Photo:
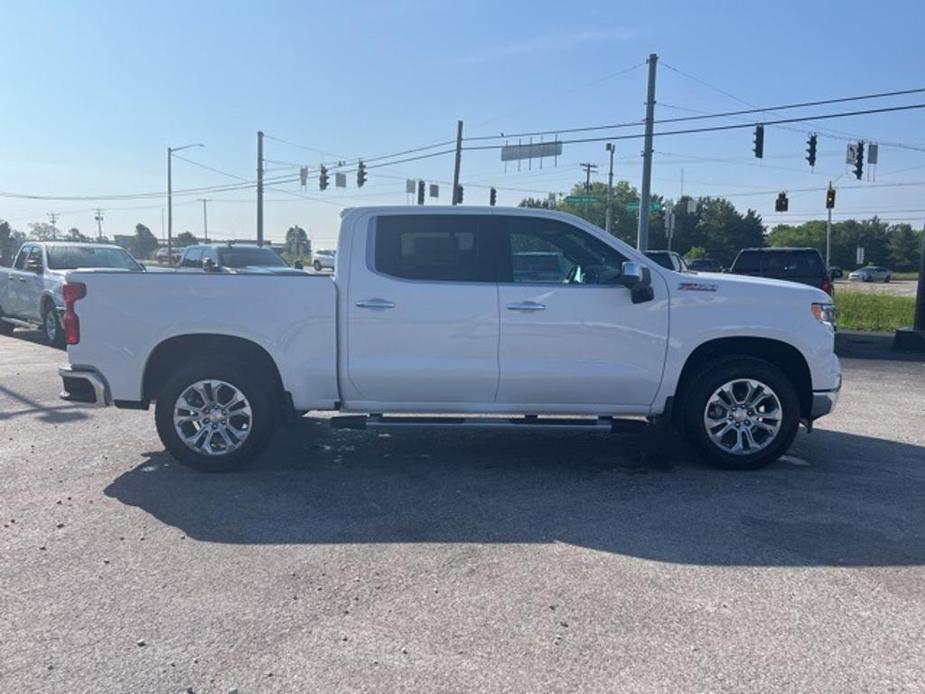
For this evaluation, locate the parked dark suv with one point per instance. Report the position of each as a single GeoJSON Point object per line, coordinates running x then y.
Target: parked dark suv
{"type": "Point", "coordinates": [802, 265]}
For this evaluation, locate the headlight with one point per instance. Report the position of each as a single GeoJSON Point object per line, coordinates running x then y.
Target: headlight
{"type": "Point", "coordinates": [825, 314]}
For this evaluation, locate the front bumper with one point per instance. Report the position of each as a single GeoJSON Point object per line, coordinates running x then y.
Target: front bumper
{"type": "Point", "coordinates": [824, 402]}
{"type": "Point", "coordinates": [84, 385]}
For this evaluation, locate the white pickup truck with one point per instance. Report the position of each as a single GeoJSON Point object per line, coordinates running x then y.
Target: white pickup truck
{"type": "Point", "coordinates": [435, 315]}
{"type": "Point", "coordinates": [30, 291]}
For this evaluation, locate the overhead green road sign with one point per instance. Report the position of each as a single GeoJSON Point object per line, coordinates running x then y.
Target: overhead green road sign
{"type": "Point", "coordinates": [581, 199]}
{"type": "Point", "coordinates": [653, 206]}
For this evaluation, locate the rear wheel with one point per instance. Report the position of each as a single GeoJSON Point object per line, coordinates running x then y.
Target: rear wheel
{"type": "Point", "coordinates": [317, 266]}
{"type": "Point", "coordinates": [51, 326]}
{"type": "Point", "coordinates": [215, 415]}
{"type": "Point", "coordinates": [741, 413]}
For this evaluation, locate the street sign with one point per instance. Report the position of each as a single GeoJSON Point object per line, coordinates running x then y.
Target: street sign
{"type": "Point", "coordinates": [653, 206]}
{"type": "Point", "coordinates": [851, 154]}
{"type": "Point", "coordinates": [860, 255]}
{"type": "Point", "coordinates": [410, 186]}
{"type": "Point", "coordinates": [873, 152]}
{"type": "Point", "coordinates": [535, 150]}
{"type": "Point", "coordinates": [340, 180]}
{"type": "Point", "coordinates": [434, 190]}
{"type": "Point", "coordinates": [581, 199]}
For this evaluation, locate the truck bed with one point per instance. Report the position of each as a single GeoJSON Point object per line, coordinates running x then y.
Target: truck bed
{"type": "Point", "coordinates": [292, 317]}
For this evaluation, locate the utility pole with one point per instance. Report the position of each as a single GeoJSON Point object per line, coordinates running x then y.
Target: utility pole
{"type": "Point", "coordinates": [205, 222]}
{"type": "Point", "coordinates": [99, 224]}
{"type": "Point", "coordinates": [169, 209]}
{"type": "Point", "coordinates": [53, 218]}
{"type": "Point", "coordinates": [459, 127]}
{"type": "Point", "coordinates": [609, 223]}
{"type": "Point", "coordinates": [259, 188]}
{"type": "Point", "coordinates": [588, 168]}
{"type": "Point", "coordinates": [642, 239]}
{"type": "Point", "coordinates": [170, 151]}
{"type": "Point", "coordinates": [829, 204]}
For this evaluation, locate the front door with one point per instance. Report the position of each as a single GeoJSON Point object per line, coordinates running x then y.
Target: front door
{"type": "Point", "coordinates": [422, 314]}
{"type": "Point", "coordinates": [571, 338]}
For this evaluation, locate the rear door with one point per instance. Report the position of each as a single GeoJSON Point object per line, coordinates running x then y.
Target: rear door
{"type": "Point", "coordinates": [32, 288]}
{"type": "Point", "coordinates": [422, 313]}
{"type": "Point", "coordinates": [575, 342]}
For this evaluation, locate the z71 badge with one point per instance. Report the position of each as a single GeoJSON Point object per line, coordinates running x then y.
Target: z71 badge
{"type": "Point", "coordinates": [697, 287]}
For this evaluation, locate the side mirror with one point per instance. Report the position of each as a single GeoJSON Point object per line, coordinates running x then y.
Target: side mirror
{"type": "Point", "coordinates": [298, 265]}
{"type": "Point", "coordinates": [208, 265]}
{"type": "Point", "coordinates": [33, 265]}
{"type": "Point", "coordinates": [638, 279]}
{"type": "Point", "coordinates": [836, 273]}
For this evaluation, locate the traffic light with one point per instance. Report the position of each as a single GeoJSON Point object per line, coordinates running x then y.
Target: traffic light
{"type": "Point", "coordinates": [420, 192]}
{"type": "Point", "coordinates": [323, 178]}
{"type": "Point", "coordinates": [811, 150]}
{"type": "Point", "coordinates": [859, 161]}
{"type": "Point", "coordinates": [459, 194]}
{"type": "Point", "coordinates": [781, 204]}
{"type": "Point", "coordinates": [830, 198]}
{"type": "Point", "coordinates": [759, 141]}
{"type": "Point", "coordinates": [361, 174]}
{"type": "Point", "coordinates": [492, 196]}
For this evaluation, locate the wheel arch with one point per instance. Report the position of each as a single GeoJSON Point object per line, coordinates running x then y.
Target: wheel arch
{"type": "Point", "coordinates": [784, 356]}
{"type": "Point", "coordinates": [183, 348]}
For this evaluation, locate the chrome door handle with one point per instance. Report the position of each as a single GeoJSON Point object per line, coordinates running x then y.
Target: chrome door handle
{"type": "Point", "coordinates": [375, 304]}
{"type": "Point", "coordinates": [21, 279]}
{"type": "Point", "coordinates": [526, 306]}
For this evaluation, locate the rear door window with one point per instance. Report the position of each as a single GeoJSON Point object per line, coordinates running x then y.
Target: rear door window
{"type": "Point", "coordinates": [434, 248]}
{"type": "Point", "coordinates": [192, 258]}
{"type": "Point", "coordinates": [806, 264]}
{"type": "Point", "coordinates": [748, 262]}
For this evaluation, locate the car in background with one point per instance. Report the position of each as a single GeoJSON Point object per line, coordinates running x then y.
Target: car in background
{"type": "Point", "coordinates": [705, 265]}
{"type": "Point", "coordinates": [538, 266]}
{"type": "Point", "coordinates": [31, 293]}
{"type": "Point", "coordinates": [161, 255]}
{"type": "Point", "coordinates": [668, 259]}
{"type": "Point", "coordinates": [871, 273]}
{"type": "Point", "coordinates": [233, 258]}
{"type": "Point", "coordinates": [323, 260]}
{"type": "Point", "coordinates": [800, 265]}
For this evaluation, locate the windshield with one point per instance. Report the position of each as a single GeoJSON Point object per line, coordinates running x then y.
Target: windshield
{"type": "Point", "coordinates": [249, 257]}
{"type": "Point", "coordinates": [73, 257]}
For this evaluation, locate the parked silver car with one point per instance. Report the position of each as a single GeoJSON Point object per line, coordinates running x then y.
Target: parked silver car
{"type": "Point", "coordinates": [871, 273]}
{"type": "Point", "coordinates": [323, 260]}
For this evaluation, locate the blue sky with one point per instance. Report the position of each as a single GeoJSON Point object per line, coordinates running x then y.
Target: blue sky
{"type": "Point", "coordinates": [94, 92]}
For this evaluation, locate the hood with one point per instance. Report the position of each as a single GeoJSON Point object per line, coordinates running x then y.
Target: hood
{"type": "Point", "coordinates": [715, 282]}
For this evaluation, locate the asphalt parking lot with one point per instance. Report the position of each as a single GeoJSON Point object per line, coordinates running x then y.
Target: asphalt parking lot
{"type": "Point", "coordinates": [460, 561]}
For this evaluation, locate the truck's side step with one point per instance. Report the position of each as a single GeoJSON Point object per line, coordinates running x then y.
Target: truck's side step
{"type": "Point", "coordinates": [20, 323]}
{"type": "Point", "coordinates": [377, 421]}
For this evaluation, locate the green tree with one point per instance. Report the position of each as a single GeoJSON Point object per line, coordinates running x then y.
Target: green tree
{"type": "Point", "coordinates": [625, 221]}
{"type": "Point", "coordinates": [73, 234]}
{"type": "Point", "coordinates": [297, 241]}
{"type": "Point", "coordinates": [904, 247]}
{"type": "Point", "coordinates": [42, 231]}
{"type": "Point", "coordinates": [695, 253]}
{"type": "Point", "coordinates": [145, 242]}
{"type": "Point", "coordinates": [723, 231]}
{"type": "Point", "coordinates": [185, 238]}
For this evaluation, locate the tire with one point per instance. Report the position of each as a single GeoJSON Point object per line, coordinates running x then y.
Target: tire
{"type": "Point", "coordinates": [887, 279]}
{"type": "Point", "coordinates": [748, 425]}
{"type": "Point", "coordinates": [868, 278]}
{"type": "Point", "coordinates": [5, 328]}
{"type": "Point", "coordinates": [243, 435]}
{"type": "Point", "coordinates": [51, 326]}
{"type": "Point", "coordinates": [317, 266]}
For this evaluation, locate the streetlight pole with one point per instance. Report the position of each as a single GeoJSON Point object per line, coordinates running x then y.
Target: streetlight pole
{"type": "Point", "coordinates": [170, 151]}
{"type": "Point", "coordinates": [609, 223]}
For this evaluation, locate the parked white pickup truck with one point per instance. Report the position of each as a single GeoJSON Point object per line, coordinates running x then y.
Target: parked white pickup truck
{"type": "Point", "coordinates": [30, 291]}
{"type": "Point", "coordinates": [427, 314]}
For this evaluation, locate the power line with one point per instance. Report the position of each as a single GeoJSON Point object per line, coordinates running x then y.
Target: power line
{"type": "Point", "coordinates": [735, 126]}
{"type": "Point", "coordinates": [703, 116]}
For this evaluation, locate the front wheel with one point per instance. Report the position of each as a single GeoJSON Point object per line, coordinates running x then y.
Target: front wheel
{"type": "Point", "coordinates": [54, 334]}
{"type": "Point", "coordinates": [741, 413]}
{"type": "Point", "coordinates": [317, 266]}
{"type": "Point", "coordinates": [215, 415]}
